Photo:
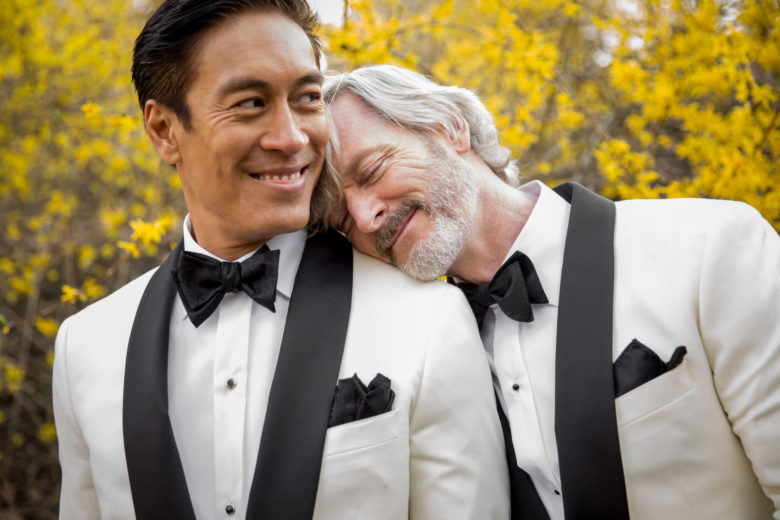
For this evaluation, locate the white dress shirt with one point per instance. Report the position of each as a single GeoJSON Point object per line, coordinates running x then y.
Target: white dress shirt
{"type": "Point", "coordinates": [522, 355]}
{"type": "Point", "coordinates": [219, 379]}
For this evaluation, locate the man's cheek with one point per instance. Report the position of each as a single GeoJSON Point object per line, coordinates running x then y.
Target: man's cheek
{"type": "Point", "coordinates": [366, 244]}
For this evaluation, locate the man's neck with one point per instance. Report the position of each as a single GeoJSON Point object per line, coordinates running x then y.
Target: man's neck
{"type": "Point", "coordinates": [502, 212]}
{"type": "Point", "coordinates": [215, 244]}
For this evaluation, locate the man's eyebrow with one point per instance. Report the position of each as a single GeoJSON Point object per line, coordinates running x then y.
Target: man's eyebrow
{"type": "Point", "coordinates": [248, 83]}
{"type": "Point", "coordinates": [313, 77]}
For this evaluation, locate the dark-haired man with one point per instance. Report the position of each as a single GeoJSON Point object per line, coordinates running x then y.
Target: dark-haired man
{"type": "Point", "coordinates": [258, 374]}
{"type": "Point", "coordinates": [635, 346]}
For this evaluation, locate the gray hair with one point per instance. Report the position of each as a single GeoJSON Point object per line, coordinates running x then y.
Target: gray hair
{"type": "Point", "coordinates": [416, 103]}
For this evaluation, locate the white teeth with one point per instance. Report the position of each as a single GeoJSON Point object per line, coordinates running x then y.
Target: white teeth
{"type": "Point", "coordinates": [289, 177]}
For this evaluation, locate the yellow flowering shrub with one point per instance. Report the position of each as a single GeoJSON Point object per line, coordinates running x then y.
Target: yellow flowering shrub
{"type": "Point", "coordinates": [86, 206]}
{"type": "Point", "coordinates": [662, 98]}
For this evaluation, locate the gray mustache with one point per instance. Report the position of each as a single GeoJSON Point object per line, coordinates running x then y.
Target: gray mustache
{"type": "Point", "coordinates": [385, 235]}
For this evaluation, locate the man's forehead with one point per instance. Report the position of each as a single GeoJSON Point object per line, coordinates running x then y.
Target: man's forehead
{"type": "Point", "coordinates": [256, 34]}
{"type": "Point", "coordinates": [240, 83]}
{"type": "Point", "coordinates": [259, 50]}
{"type": "Point", "coordinates": [359, 126]}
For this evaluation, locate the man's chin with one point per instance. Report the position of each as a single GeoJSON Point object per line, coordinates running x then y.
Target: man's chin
{"type": "Point", "coordinates": [294, 219]}
{"type": "Point", "coordinates": [420, 277]}
{"type": "Point", "coordinates": [432, 257]}
{"type": "Point", "coordinates": [410, 268]}
{"type": "Point", "coordinates": [425, 269]}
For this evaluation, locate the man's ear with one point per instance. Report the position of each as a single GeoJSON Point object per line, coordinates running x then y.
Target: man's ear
{"type": "Point", "coordinates": [461, 141]}
{"type": "Point", "coordinates": [159, 121]}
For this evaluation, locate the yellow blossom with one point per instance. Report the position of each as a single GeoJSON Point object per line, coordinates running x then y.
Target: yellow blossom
{"type": "Point", "coordinates": [86, 256]}
{"type": "Point", "coordinates": [14, 376]}
{"type": "Point", "coordinates": [92, 289]}
{"type": "Point", "coordinates": [129, 247]}
{"type": "Point", "coordinates": [150, 232]}
{"type": "Point", "coordinates": [21, 285]}
{"type": "Point", "coordinates": [47, 326]}
{"type": "Point", "coordinates": [107, 250]}
{"type": "Point", "coordinates": [13, 230]}
{"type": "Point", "coordinates": [71, 294]}
{"type": "Point", "coordinates": [90, 110]}
{"type": "Point", "coordinates": [6, 265]}
{"type": "Point", "coordinates": [47, 433]}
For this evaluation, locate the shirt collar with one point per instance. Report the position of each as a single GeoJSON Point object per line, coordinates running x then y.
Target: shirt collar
{"type": "Point", "coordinates": [290, 246]}
{"type": "Point", "coordinates": [543, 237]}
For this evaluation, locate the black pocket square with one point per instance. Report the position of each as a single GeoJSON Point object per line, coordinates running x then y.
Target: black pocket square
{"type": "Point", "coordinates": [354, 401]}
{"type": "Point", "coordinates": [638, 364]}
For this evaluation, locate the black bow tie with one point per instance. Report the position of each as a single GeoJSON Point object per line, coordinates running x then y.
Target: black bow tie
{"type": "Point", "coordinates": [514, 287]}
{"type": "Point", "coordinates": [202, 281]}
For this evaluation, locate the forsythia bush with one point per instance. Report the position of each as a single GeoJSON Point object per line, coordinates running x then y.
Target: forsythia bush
{"type": "Point", "coordinates": [653, 99]}
{"type": "Point", "coordinates": [82, 195]}
{"type": "Point", "coordinates": [650, 98]}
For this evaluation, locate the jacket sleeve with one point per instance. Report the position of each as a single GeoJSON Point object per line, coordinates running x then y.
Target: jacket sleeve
{"type": "Point", "coordinates": [457, 457]}
{"type": "Point", "coordinates": [78, 499]}
{"type": "Point", "coordinates": [740, 326]}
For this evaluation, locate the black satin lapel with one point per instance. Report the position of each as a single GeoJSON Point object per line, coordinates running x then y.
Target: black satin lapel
{"type": "Point", "coordinates": [585, 421]}
{"type": "Point", "coordinates": [288, 463]}
{"type": "Point", "coordinates": [525, 501]}
{"type": "Point", "coordinates": [156, 475]}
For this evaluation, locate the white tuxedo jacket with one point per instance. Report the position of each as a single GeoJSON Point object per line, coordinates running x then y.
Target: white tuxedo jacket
{"type": "Point", "coordinates": [437, 454]}
{"type": "Point", "coordinates": [701, 441]}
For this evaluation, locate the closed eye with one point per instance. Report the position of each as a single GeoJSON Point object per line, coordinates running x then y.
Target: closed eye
{"type": "Point", "coordinates": [371, 171]}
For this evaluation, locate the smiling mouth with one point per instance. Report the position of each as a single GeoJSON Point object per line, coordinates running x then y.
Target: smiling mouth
{"type": "Point", "coordinates": [401, 228]}
{"type": "Point", "coordinates": [395, 225]}
{"type": "Point", "coordinates": [279, 176]}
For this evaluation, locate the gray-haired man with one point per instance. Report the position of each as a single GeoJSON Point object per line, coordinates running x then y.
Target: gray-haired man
{"type": "Point", "coordinates": [635, 346]}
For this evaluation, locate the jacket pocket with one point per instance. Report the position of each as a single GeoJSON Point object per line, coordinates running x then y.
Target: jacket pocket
{"type": "Point", "coordinates": [654, 394]}
{"type": "Point", "coordinates": [365, 470]}
{"type": "Point", "coordinates": [361, 434]}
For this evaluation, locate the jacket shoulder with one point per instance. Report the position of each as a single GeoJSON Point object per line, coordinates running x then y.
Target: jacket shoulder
{"type": "Point", "coordinates": [683, 223]}
{"type": "Point", "coordinates": [116, 309]}
{"type": "Point", "coordinates": [687, 213]}
{"type": "Point", "coordinates": [383, 280]}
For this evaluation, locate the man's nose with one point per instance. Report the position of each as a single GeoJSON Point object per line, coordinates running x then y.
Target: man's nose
{"type": "Point", "coordinates": [284, 132]}
{"type": "Point", "coordinates": [367, 211]}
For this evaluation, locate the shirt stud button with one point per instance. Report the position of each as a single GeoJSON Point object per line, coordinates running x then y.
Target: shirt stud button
{"type": "Point", "coordinates": [515, 387]}
{"type": "Point", "coordinates": [229, 509]}
{"type": "Point", "coordinates": [230, 384]}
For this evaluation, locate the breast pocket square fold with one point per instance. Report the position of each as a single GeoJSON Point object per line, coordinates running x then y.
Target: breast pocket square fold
{"type": "Point", "coordinates": [638, 364]}
{"type": "Point", "coordinates": [354, 400]}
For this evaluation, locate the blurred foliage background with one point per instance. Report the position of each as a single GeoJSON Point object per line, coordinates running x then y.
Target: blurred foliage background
{"type": "Point", "coordinates": [634, 98]}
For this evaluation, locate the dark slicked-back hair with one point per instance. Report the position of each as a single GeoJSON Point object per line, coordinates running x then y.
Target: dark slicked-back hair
{"type": "Point", "coordinates": [163, 67]}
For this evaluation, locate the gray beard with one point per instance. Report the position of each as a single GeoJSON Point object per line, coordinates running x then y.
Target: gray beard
{"type": "Point", "coordinates": [452, 200]}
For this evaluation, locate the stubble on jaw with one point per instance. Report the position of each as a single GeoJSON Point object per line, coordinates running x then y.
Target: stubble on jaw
{"type": "Point", "coordinates": [384, 236]}
{"type": "Point", "coordinates": [451, 204]}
